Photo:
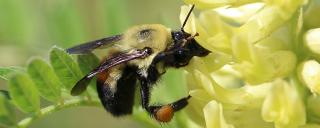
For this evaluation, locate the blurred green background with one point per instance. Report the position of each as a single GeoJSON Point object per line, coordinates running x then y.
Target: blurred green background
{"type": "Point", "coordinates": [30, 27]}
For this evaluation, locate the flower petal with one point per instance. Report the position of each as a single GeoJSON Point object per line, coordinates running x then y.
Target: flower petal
{"type": "Point", "coordinates": [312, 41]}
{"type": "Point", "coordinates": [207, 4]}
{"type": "Point", "coordinates": [195, 108]}
{"type": "Point", "coordinates": [310, 75]}
{"type": "Point", "coordinates": [240, 15]}
{"type": "Point", "coordinates": [213, 114]}
{"type": "Point", "coordinates": [283, 106]}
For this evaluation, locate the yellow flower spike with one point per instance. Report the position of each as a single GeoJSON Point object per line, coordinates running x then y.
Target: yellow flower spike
{"type": "Point", "coordinates": [208, 84]}
{"type": "Point", "coordinates": [211, 36]}
{"type": "Point", "coordinates": [208, 4]}
{"type": "Point", "coordinates": [278, 64]}
{"type": "Point", "coordinates": [283, 106]}
{"type": "Point", "coordinates": [265, 65]}
{"type": "Point", "coordinates": [240, 15]}
{"type": "Point", "coordinates": [312, 41]}
{"type": "Point", "coordinates": [215, 60]}
{"type": "Point", "coordinates": [192, 84]}
{"type": "Point", "coordinates": [242, 51]}
{"type": "Point", "coordinates": [309, 72]}
{"type": "Point", "coordinates": [213, 114]}
{"type": "Point", "coordinates": [286, 6]}
{"type": "Point", "coordinates": [279, 40]}
{"type": "Point", "coordinates": [244, 117]}
{"type": "Point", "coordinates": [256, 40]}
{"type": "Point", "coordinates": [205, 81]}
{"type": "Point", "coordinates": [195, 109]}
{"type": "Point", "coordinates": [199, 99]}
{"type": "Point", "coordinates": [249, 97]}
{"type": "Point", "coordinates": [219, 42]}
{"type": "Point", "coordinates": [227, 77]}
{"type": "Point", "coordinates": [267, 59]}
{"type": "Point", "coordinates": [213, 23]}
{"type": "Point", "coordinates": [251, 73]}
{"type": "Point", "coordinates": [282, 62]}
{"type": "Point", "coordinates": [218, 33]}
{"type": "Point", "coordinates": [258, 27]}
{"type": "Point", "coordinates": [210, 63]}
{"type": "Point", "coordinates": [266, 21]}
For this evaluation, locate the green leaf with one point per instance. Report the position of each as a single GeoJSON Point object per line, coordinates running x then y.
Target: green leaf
{"type": "Point", "coordinates": [5, 93]}
{"type": "Point", "coordinates": [24, 93]}
{"type": "Point", "coordinates": [65, 67]}
{"type": "Point", "coordinates": [87, 62]}
{"type": "Point", "coordinates": [7, 116]}
{"type": "Point", "coordinates": [45, 79]}
{"type": "Point", "coordinates": [5, 72]}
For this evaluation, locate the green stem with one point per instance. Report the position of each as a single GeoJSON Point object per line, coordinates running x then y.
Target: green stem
{"type": "Point", "coordinates": [52, 108]}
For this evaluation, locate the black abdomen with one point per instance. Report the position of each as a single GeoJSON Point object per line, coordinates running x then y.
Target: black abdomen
{"type": "Point", "coordinates": [120, 101]}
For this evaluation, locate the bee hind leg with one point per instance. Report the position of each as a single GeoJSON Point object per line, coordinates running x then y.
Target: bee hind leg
{"type": "Point", "coordinates": [162, 113]}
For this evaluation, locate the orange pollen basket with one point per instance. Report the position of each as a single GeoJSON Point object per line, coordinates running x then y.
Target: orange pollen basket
{"type": "Point", "coordinates": [165, 113]}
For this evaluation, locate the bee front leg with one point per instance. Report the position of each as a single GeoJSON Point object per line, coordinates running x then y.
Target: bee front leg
{"type": "Point", "coordinates": [162, 113]}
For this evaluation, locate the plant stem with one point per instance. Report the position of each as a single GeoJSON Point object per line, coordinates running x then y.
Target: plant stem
{"type": "Point", "coordinates": [52, 108]}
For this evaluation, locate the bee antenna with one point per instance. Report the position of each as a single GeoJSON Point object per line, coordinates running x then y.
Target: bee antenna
{"type": "Point", "coordinates": [185, 21]}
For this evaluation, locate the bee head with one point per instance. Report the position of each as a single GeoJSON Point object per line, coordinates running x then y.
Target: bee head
{"type": "Point", "coordinates": [184, 40]}
{"type": "Point", "coordinates": [183, 49]}
{"type": "Point", "coordinates": [179, 37]}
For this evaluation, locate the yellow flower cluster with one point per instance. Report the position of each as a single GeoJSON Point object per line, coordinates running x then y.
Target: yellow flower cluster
{"type": "Point", "coordinates": [264, 69]}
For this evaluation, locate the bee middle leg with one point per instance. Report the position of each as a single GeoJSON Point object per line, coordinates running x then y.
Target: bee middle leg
{"type": "Point", "coordinates": [162, 113]}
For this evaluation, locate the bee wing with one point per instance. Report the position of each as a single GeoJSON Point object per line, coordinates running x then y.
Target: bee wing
{"type": "Point", "coordinates": [89, 46]}
{"type": "Point", "coordinates": [82, 84]}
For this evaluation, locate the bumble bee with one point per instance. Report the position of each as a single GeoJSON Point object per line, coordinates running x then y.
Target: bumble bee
{"type": "Point", "coordinates": [141, 54]}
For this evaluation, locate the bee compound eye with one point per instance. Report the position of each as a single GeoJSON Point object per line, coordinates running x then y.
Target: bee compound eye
{"type": "Point", "coordinates": [148, 50]}
{"type": "Point", "coordinates": [178, 36]}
